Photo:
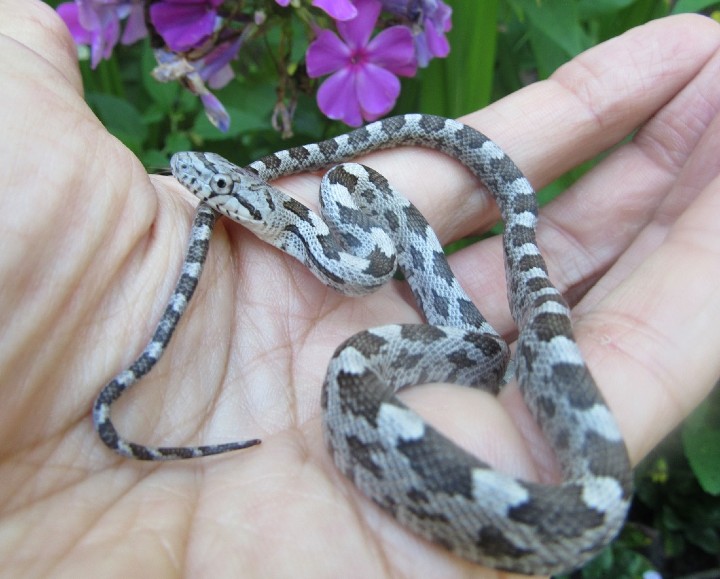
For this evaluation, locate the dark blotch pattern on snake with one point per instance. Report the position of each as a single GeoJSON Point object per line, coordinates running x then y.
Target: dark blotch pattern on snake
{"type": "Point", "coordinates": [408, 468]}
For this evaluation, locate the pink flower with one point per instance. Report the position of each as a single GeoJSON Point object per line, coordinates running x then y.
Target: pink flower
{"type": "Point", "coordinates": [363, 82]}
{"type": "Point", "coordinates": [337, 9]}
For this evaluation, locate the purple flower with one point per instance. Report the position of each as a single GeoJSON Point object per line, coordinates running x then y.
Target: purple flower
{"type": "Point", "coordinates": [184, 24]}
{"type": "Point", "coordinates": [431, 19]}
{"type": "Point", "coordinates": [214, 68]}
{"type": "Point", "coordinates": [173, 66]}
{"type": "Point", "coordinates": [96, 23]}
{"type": "Point", "coordinates": [337, 9]}
{"type": "Point", "coordinates": [436, 22]}
{"type": "Point", "coordinates": [215, 111]}
{"type": "Point", "coordinates": [363, 82]}
{"type": "Point", "coordinates": [135, 28]}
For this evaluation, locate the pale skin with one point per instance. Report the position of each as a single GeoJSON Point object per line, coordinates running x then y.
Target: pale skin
{"type": "Point", "coordinates": [91, 246]}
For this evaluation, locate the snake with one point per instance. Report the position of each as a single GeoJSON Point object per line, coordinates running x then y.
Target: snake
{"type": "Point", "coordinates": [365, 232]}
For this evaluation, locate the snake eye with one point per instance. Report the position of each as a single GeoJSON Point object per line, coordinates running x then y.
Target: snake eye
{"type": "Point", "coordinates": [221, 184]}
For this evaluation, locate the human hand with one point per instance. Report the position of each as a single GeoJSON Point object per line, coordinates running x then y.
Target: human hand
{"type": "Point", "coordinates": [92, 247]}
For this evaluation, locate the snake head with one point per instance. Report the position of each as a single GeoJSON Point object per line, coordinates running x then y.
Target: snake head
{"type": "Point", "coordinates": [230, 190]}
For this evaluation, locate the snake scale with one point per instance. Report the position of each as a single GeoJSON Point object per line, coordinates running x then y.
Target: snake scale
{"type": "Point", "coordinates": [408, 468]}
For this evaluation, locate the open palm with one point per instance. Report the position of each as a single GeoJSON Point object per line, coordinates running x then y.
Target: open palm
{"type": "Point", "coordinates": [91, 248]}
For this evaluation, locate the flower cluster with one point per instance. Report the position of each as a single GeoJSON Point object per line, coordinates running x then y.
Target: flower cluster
{"type": "Point", "coordinates": [195, 41]}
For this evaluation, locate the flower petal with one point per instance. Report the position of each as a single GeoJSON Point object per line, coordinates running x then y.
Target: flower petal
{"type": "Point", "coordinates": [437, 43]}
{"type": "Point", "coordinates": [443, 17]}
{"type": "Point", "coordinates": [326, 54]}
{"type": "Point", "coordinates": [214, 67]}
{"type": "Point", "coordinates": [91, 16]}
{"type": "Point", "coordinates": [422, 53]}
{"type": "Point", "coordinates": [377, 91]}
{"type": "Point", "coordinates": [135, 26]}
{"type": "Point", "coordinates": [215, 111]}
{"type": "Point", "coordinates": [356, 32]}
{"type": "Point", "coordinates": [103, 42]}
{"type": "Point", "coordinates": [68, 11]}
{"type": "Point", "coordinates": [96, 25]}
{"type": "Point", "coordinates": [213, 3]}
{"type": "Point", "coordinates": [394, 50]}
{"type": "Point", "coordinates": [337, 9]}
{"type": "Point", "coordinates": [182, 26]}
{"type": "Point", "coordinates": [338, 100]}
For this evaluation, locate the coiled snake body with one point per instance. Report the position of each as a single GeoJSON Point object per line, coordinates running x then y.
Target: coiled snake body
{"type": "Point", "coordinates": [407, 467]}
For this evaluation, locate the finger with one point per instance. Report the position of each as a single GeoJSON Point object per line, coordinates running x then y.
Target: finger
{"type": "Point", "coordinates": [75, 209]}
{"type": "Point", "coordinates": [37, 26]}
{"type": "Point", "coordinates": [585, 230]}
{"type": "Point", "coordinates": [648, 329]}
{"type": "Point", "coordinates": [676, 153]}
{"type": "Point", "coordinates": [653, 342]}
{"type": "Point", "coordinates": [596, 100]}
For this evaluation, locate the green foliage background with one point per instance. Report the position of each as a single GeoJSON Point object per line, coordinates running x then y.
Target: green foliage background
{"type": "Point", "coordinates": [498, 46]}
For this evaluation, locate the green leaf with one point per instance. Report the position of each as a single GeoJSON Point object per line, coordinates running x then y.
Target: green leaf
{"type": "Point", "coordinates": [593, 8]}
{"type": "Point", "coordinates": [618, 560]}
{"type": "Point", "coordinates": [673, 544]}
{"type": "Point", "coordinates": [241, 122]}
{"type": "Point", "coordinates": [701, 441]}
{"type": "Point", "coordinates": [705, 538]}
{"type": "Point", "coordinates": [120, 117]}
{"type": "Point", "coordinates": [462, 82]}
{"type": "Point", "coordinates": [163, 93]}
{"type": "Point", "coordinates": [250, 107]}
{"type": "Point", "coordinates": [154, 160]}
{"type": "Point", "coordinates": [671, 520]}
{"type": "Point", "coordinates": [692, 5]}
{"type": "Point", "coordinates": [177, 142]}
{"type": "Point", "coordinates": [557, 22]}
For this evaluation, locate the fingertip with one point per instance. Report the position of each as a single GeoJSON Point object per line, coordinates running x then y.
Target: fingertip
{"type": "Point", "coordinates": [36, 26]}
